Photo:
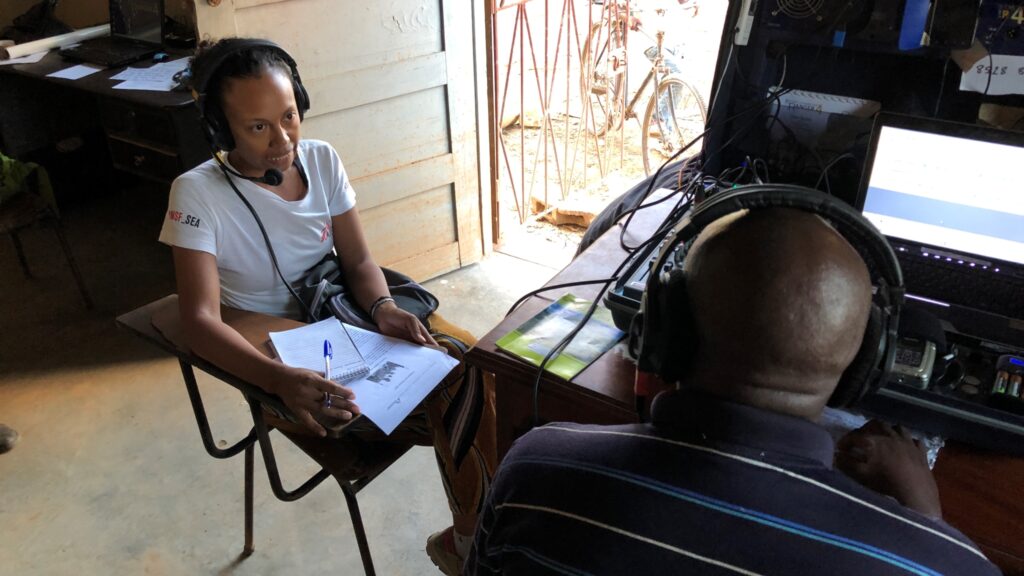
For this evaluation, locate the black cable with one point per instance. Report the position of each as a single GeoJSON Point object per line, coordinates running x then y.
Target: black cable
{"type": "Point", "coordinates": [756, 107]}
{"type": "Point", "coordinates": [266, 239]}
{"type": "Point", "coordinates": [533, 293]}
{"type": "Point", "coordinates": [567, 339]}
{"type": "Point", "coordinates": [988, 82]}
{"type": "Point", "coordinates": [991, 62]}
{"type": "Point", "coordinates": [650, 187]}
{"type": "Point", "coordinates": [833, 162]}
{"type": "Point", "coordinates": [629, 213]}
{"type": "Point", "coordinates": [666, 225]}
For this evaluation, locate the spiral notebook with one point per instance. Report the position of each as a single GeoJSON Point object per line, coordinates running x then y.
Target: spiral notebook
{"type": "Point", "coordinates": [303, 347]}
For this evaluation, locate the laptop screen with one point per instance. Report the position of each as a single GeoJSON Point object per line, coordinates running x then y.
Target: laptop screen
{"type": "Point", "coordinates": [137, 19]}
{"type": "Point", "coordinates": [948, 185]}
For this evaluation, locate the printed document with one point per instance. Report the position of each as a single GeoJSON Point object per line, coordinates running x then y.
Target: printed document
{"type": "Point", "coordinates": [401, 375]}
{"type": "Point", "coordinates": [303, 347]}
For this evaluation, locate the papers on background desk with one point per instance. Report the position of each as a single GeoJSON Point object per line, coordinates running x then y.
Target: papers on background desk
{"type": "Point", "coordinates": [75, 72]}
{"type": "Point", "coordinates": [158, 77]}
{"type": "Point", "coordinates": [30, 59]}
{"type": "Point", "coordinates": [401, 375]}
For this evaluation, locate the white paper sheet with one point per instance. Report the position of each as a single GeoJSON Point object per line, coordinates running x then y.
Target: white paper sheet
{"type": "Point", "coordinates": [1007, 75]}
{"type": "Point", "coordinates": [158, 77]}
{"type": "Point", "coordinates": [30, 59]}
{"type": "Point", "coordinates": [75, 72]}
{"type": "Point", "coordinates": [304, 347]}
{"type": "Point", "coordinates": [162, 72]}
{"type": "Point", "coordinates": [401, 375]}
{"type": "Point", "coordinates": [165, 86]}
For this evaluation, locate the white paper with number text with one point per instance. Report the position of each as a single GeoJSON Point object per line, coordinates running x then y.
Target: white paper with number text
{"type": "Point", "coordinates": [1003, 75]}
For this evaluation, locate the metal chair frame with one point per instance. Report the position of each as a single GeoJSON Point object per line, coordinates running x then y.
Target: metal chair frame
{"type": "Point", "coordinates": [257, 398]}
{"type": "Point", "coordinates": [45, 215]}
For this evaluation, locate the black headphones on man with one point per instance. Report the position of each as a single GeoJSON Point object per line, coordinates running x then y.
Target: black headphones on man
{"type": "Point", "coordinates": [663, 336]}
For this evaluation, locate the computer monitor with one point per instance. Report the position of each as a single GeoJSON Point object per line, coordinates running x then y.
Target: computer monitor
{"type": "Point", "coordinates": [137, 19]}
{"type": "Point", "coordinates": [948, 185]}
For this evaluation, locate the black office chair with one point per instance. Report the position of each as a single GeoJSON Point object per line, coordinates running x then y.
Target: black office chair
{"type": "Point", "coordinates": [23, 204]}
{"type": "Point", "coordinates": [352, 462]}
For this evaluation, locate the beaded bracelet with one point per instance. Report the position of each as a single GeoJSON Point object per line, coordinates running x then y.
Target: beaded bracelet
{"type": "Point", "coordinates": [377, 304]}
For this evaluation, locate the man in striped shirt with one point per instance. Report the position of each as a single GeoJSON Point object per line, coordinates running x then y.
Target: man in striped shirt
{"type": "Point", "coordinates": [733, 475]}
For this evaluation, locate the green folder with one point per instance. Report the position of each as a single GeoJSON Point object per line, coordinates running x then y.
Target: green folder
{"type": "Point", "coordinates": [537, 336]}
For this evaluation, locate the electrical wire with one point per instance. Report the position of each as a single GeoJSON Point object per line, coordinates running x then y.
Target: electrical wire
{"type": "Point", "coordinates": [694, 187]}
{"type": "Point", "coordinates": [991, 62]}
{"type": "Point", "coordinates": [665, 226]}
{"type": "Point", "coordinates": [755, 107]}
{"type": "Point", "coordinates": [533, 293]}
{"type": "Point", "coordinates": [266, 239]}
{"type": "Point", "coordinates": [824, 171]}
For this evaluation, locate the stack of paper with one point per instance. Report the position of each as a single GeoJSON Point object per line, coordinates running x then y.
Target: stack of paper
{"type": "Point", "coordinates": [304, 348]}
{"type": "Point", "coordinates": [158, 77]}
{"type": "Point", "coordinates": [395, 375]}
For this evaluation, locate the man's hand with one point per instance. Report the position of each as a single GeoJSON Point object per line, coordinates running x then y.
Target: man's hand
{"type": "Point", "coordinates": [889, 461]}
{"type": "Point", "coordinates": [393, 321]}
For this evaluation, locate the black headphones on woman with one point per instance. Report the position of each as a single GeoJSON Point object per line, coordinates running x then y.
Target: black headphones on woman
{"type": "Point", "coordinates": [663, 335]}
{"type": "Point", "coordinates": [215, 124]}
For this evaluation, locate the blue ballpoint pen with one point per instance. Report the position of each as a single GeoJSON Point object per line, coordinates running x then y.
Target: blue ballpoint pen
{"type": "Point", "coordinates": [328, 354]}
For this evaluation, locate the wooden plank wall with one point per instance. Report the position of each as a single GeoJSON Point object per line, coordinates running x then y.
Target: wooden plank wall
{"type": "Point", "coordinates": [393, 87]}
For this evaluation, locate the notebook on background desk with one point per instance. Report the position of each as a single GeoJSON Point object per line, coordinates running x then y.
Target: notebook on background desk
{"type": "Point", "coordinates": [948, 198]}
{"type": "Point", "coordinates": [136, 32]}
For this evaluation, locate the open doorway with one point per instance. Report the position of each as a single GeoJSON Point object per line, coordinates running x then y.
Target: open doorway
{"type": "Point", "coordinates": [588, 97]}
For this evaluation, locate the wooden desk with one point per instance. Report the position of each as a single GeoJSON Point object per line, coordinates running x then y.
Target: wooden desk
{"type": "Point", "coordinates": [982, 493]}
{"type": "Point", "coordinates": [152, 134]}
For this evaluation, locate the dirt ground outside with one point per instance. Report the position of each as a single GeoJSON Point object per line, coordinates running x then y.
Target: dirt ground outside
{"type": "Point", "coordinates": [578, 174]}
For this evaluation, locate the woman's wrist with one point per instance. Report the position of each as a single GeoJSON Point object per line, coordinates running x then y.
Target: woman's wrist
{"type": "Point", "coordinates": [278, 373]}
{"type": "Point", "coordinates": [381, 303]}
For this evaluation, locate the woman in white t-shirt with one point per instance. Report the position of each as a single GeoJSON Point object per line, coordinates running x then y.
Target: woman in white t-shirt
{"type": "Point", "coordinates": [252, 102]}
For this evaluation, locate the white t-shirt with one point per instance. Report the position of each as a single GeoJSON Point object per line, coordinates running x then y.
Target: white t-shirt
{"type": "Point", "coordinates": [205, 214]}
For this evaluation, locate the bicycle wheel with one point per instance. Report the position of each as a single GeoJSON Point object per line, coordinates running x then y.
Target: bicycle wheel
{"type": "Point", "coordinates": [602, 76]}
{"type": "Point", "coordinates": [676, 114]}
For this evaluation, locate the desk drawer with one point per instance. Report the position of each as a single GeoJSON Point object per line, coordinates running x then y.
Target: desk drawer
{"type": "Point", "coordinates": [131, 122]}
{"type": "Point", "coordinates": [144, 161]}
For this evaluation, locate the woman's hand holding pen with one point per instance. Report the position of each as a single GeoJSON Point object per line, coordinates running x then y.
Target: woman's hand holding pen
{"type": "Point", "coordinates": [393, 321]}
{"type": "Point", "coordinates": [305, 393]}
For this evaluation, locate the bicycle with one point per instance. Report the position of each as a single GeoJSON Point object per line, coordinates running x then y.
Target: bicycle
{"type": "Point", "coordinates": [675, 113]}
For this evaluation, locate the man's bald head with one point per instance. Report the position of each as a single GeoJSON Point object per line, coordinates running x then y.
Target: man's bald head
{"type": "Point", "coordinates": [780, 301]}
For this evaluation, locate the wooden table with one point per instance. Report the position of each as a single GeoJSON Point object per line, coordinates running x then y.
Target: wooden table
{"type": "Point", "coordinates": [982, 493]}
{"type": "Point", "coordinates": [155, 135]}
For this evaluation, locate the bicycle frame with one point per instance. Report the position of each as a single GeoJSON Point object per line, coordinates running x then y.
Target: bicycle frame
{"type": "Point", "coordinates": [656, 67]}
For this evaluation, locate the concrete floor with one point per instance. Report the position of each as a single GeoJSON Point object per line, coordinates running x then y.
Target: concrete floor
{"type": "Point", "coordinates": [110, 477]}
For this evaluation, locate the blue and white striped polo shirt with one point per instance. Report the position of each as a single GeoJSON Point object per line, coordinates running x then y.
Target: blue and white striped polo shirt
{"type": "Point", "coordinates": [711, 487]}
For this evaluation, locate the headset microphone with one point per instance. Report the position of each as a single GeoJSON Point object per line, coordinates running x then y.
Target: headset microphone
{"type": "Point", "coordinates": [273, 176]}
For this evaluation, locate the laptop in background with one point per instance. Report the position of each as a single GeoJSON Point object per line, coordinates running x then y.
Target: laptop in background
{"type": "Point", "coordinates": [136, 32]}
{"type": "Point", "coordinates": [949, 198]}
